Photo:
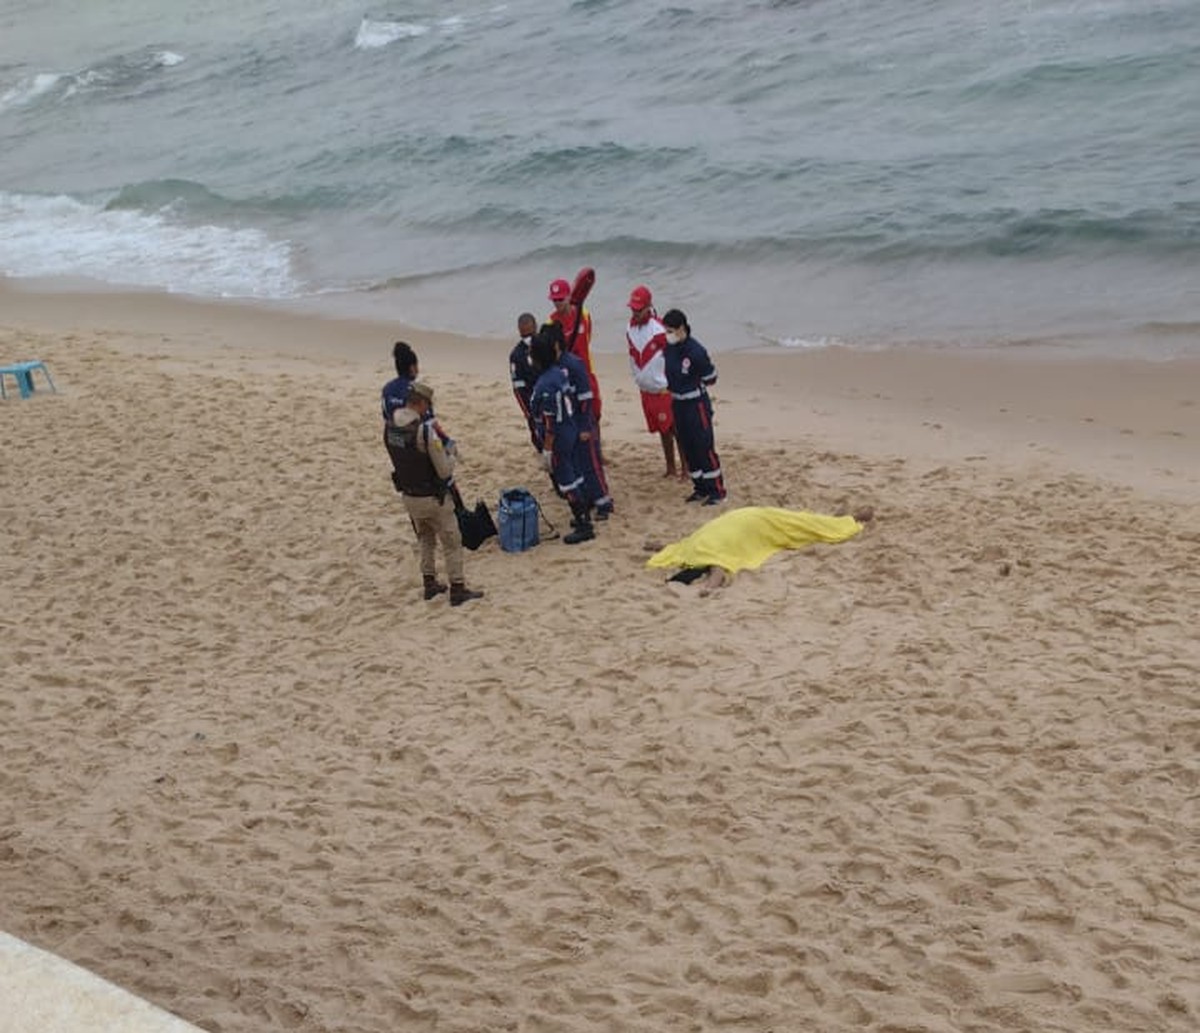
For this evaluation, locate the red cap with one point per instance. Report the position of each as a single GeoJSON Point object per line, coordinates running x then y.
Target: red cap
{"type": "Point", "coordinates": [640, 298]}
{"type": "Point", "coordinates": [560, 290]}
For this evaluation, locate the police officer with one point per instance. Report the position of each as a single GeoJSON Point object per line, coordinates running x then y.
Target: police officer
{"type": "Point", "coordinates": [690, 373]}
{"type": "Point", "coordinates": [423, 472]}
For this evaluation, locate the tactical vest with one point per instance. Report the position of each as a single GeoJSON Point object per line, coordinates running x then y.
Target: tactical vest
{"type": "Point", "coordinates": [413, 471]}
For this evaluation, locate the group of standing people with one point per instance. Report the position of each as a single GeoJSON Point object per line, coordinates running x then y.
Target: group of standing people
{"type": "Point", "coordinates": [673, 372]}
{"type": "Point", "coordinates": [556, 388]}
{"type": "Point", "coordinates": [555, 384]}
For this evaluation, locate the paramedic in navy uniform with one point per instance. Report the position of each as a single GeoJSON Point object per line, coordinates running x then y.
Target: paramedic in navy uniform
{"type": "Point", "coordinates": [522, 373]}
{"type": "Point", "coordinates": [394, 395]}
{"type": "Point", "coordinates": [588, 458]}
{"type": "Point", "coordinates": [395, 392]}
{"type": "Point", "coordinates": [554, 408]}
{"type": "Point", "coordinates": [690, 373]}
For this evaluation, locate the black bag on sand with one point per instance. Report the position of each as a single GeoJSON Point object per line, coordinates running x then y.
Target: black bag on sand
{"type": "Point", "coordinates": [475, 525]}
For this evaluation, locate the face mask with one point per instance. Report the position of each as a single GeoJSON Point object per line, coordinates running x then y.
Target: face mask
{"type": "Point", "coordinates": [674, 336]}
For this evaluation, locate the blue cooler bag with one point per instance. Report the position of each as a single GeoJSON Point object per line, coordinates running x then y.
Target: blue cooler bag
{"type": "Point", "coordinates": [518, 518]}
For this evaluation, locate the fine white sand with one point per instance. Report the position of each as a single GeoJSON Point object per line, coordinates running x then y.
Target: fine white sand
{"type": "Point", "coordinates": [941, 777]}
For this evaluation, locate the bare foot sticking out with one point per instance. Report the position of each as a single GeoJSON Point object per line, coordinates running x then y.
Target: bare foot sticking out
{"type": "Point", "coordinates": [717, 577]}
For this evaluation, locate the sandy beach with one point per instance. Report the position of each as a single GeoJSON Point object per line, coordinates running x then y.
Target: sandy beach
{"type": "Point", "coordinates": [941, 777]}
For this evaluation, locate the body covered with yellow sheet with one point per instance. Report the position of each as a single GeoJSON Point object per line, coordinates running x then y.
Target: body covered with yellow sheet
{"type": "Point", "coordinates": [744, 539]}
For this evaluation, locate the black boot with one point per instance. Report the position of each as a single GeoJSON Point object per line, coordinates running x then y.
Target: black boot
{"type": "Point", "coordinates": [584, 532]}
{"type": "Point", "coordinates": [460, 593]}
{"type": "Point", "coordinates": [433, 587]}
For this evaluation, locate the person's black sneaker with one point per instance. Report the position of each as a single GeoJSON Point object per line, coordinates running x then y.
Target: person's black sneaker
{"type": "Point", "coordinates": [603, 513]}
{"type": "Point", "coordinates": [433, 587]}
{"type": "Point", "coordinates": [712, 500]}
{"type": "Point", "coordinates": [696, 496]}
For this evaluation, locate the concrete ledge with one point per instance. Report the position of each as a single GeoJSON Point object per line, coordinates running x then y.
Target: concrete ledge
{"type": "Point", "coordinates": [42, 993]}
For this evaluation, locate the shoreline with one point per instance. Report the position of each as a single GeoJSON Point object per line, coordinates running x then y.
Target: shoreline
{"type": "Point", "coordinates": [1133, 422]}
{"type": "Point", "coordinates": [464, 310]}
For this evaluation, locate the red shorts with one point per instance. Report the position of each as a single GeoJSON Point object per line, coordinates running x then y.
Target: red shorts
{"type": "Point", "coordinates": [657, 408]}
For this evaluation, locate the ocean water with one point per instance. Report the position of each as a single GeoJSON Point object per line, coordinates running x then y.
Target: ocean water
{"type": "Point", "coordinates": [792, 173]}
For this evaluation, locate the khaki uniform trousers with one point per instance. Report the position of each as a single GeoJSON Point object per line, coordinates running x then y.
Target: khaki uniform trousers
{"type": "Point", "coordinates": [435, 521]}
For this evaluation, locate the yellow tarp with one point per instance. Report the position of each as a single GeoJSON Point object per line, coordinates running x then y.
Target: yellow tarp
{"type": "Point", "coordinates": [743, 539]}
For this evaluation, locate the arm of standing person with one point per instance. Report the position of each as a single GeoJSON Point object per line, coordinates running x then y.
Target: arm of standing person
{"type": "Point", "coordinates": [521, 376]}
{"type": "Point", "coordinates": [448, 443]}
{"type": "Point", "coordinates": [542, 410]}
{"type": "Point", "coordinates": [443, 458]}
{"type": "Point", "coordinates": [546, 435]}
{"type": "Point", "coordinates": [579, 340]}
{"type": "Point", "coordinates": [702, 365]}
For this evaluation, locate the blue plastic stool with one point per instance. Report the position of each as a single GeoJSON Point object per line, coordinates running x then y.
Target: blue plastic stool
{"type": "Point", "coordinates": [23, 372]}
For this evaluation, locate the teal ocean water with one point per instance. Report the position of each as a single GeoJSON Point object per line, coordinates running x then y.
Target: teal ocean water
{"type": "Point", "coordinates": [793, 173]}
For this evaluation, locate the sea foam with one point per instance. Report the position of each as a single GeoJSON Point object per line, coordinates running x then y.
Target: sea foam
{"type": "Point", "coordinates": [372, 35]}
{"type": "Point", "coordinates": [61, 236]}
{"type": "Point", "coordinates": [29, 89]}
